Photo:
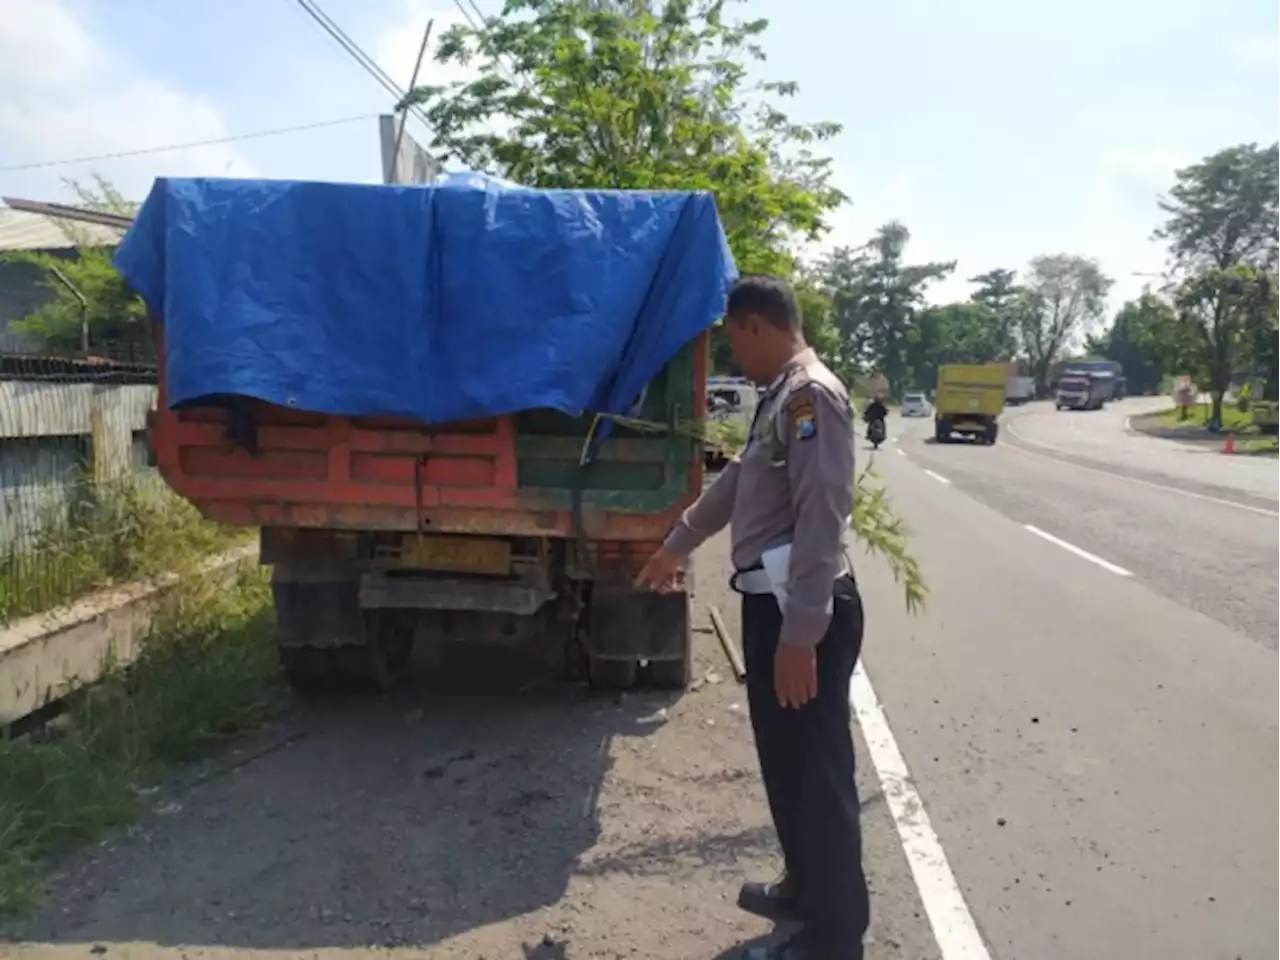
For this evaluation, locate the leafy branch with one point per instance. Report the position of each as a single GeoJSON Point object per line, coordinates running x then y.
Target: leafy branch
{"type": "Point", "coordinates": [882, 532]}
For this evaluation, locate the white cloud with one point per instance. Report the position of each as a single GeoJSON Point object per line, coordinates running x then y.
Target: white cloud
{"type": "Point", "coordinates": [67, 96]}
{"type": "Point", "coordinates": [396, 47]}
{"type": "Point", "coordinates": [1150, 167]}
{"type": "Point", "coordinates": [1116, 214]}
{"type": "Point", "coordinates": [871, 207]}
{"type": "Point", "coordinates": [1258, 51]}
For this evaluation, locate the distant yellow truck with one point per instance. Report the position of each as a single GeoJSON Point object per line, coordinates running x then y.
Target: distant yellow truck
{"type": "Point", "coordinates": [969, 402]}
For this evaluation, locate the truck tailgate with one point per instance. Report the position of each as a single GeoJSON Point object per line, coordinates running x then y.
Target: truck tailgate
{"type": "Point", "coordinates": [248, 462]}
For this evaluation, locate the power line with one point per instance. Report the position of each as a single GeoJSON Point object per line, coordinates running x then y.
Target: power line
{"type": "Point", "coordinates": [353, 49]}
{"type": "Point", "coordinates": [279, 131]}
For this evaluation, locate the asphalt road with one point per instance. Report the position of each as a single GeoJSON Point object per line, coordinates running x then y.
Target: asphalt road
{"type": "Point", "coordinates": [1071, 754]}
{"type": "Point", "coordinates": [1093, 734]}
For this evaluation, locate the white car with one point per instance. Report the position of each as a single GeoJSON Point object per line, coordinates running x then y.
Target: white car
{"type": "Point", "coordinates": [915, 405]}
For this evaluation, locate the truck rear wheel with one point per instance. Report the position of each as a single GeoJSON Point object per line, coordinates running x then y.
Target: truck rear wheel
{"type": "Point", "coordinates": [327, 644]}
{"type": "Point", "coordinates": [372, 667]}
{"type": "Point", "coordinates": [613, 674]}
{"type": "Point", "coordinates": [629, 626]}
{"type": "Point", "coordinates": [675, 674]}
{"type": "Point", "coordinates": [670, 674]}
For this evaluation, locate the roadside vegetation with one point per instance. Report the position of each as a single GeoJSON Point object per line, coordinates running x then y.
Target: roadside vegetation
{"type": "Point", "coordinates": [1197, 417]}
{"type": "Point", "coordinates": [1194, 422]}
{"type": "Point", "coordinates": [109, 534]}
{"type": "Point", "coordinates": [207, 672]}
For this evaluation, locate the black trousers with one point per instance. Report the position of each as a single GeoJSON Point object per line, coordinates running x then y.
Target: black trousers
{"type": "Point", "coordinates": [806, 761]}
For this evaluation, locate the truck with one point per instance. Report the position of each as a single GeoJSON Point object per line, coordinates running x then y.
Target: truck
{"type": "Point", "coordinates": [731, 409]}
{"type": "Point", "coordinates": [1020, 390]}
{"type": "Point", "coordinates": [1084, 389]}
{"type": "Point", "coordinates": [388, 532]}
{"type": "Point", "coordinates": [1266, 416]}
{"type": "Point", "coordinates": [969, 401]}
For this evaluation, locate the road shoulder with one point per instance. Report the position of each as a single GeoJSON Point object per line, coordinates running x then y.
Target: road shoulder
{"type": "Point", "coordinates": [544, 826]}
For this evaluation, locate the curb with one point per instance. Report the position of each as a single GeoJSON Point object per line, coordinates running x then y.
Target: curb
{"type": "Point", "coordinates": [47, 655]}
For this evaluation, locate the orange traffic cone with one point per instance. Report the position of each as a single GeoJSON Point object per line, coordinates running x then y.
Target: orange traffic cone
{"type": "Point", "coordinates": [1230, 445]}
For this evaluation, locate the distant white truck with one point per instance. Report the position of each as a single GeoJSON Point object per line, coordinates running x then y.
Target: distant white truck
{"type": "Point", "coordinates": [1020, 390]}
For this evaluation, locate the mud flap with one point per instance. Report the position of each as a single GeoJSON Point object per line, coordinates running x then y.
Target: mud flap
{"type": "Point", "coordinates": [328, 644]}
{"type": "Point", "coordinates": [318, 613]}
{"type": "Point", "coordinates": [639, 625]}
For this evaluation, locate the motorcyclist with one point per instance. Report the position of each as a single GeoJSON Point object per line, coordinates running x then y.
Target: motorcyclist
{"type": "Point", "coordinates": [875, 410]}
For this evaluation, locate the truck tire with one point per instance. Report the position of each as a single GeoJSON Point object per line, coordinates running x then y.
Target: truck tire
{"type": "Point", "coordinates": [327, 644]}
{"type": "Point", "coordinates": [678, 673]}
{"type": "Point", "coordinates": [374, 667]}
{"type": "Point", "coordinates": [993, 431]}
{"type": "Point", "coordinates": [613, 674]}
{"type": "Point", "coordinates": [941, 434]}
{"type": "Point", "coordinates": [627, 627]}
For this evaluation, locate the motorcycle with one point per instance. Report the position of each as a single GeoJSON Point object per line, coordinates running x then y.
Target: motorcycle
{"type": "Point", "coordinates": [875, 433]}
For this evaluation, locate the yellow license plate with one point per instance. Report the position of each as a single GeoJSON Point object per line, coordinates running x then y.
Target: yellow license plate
{"type": "Point", "coordinates": [456, 554]}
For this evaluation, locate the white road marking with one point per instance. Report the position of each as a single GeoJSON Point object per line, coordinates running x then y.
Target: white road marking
{"type": "Point", "coordinates": [953, 928]}
{"type": "Point", "coordinates": [901, 452]}
{"type": "Point", "coordinates": [1083, 554]}
{"type": "Point", "coordinates": [937, 476]}
{"type": "Point", "coordinates": [1120, 476]}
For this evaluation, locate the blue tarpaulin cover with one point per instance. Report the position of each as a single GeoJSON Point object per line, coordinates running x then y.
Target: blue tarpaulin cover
{"type": "Point", "coordinates": [469, 298]}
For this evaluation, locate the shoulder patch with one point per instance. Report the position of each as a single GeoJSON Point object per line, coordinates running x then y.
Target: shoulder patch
{"type": "Point", "coordinates": [803, 416]}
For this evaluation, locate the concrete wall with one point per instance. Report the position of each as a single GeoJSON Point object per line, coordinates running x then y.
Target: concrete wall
{"type": "Point", "coordinates": [55, 438]}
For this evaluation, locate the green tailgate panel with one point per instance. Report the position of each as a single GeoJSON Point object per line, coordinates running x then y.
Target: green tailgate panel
{"type": "Point", "coordinates": [633, 471]}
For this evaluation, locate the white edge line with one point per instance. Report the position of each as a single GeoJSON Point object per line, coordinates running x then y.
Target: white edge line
{"type": "Point", "coordinates": [1082, 554]}
{"type": "Point", "coordinates": [1120, 476]}
{"type": "Point", "coordinates": [937, 476]}
{"type": "Point", "coordinates": [949, 918]}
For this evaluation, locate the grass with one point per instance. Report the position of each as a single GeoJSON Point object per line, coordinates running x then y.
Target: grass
{"type": "Point", "coordinates": [1249, 439]}
{"type": "Point", "coordinates": [207, 671]}
{"type": "Point", "coordinates": [1198, 416]}
{"type": "Point", "coordinates": [1261, 446]}
{"type": "Point", "coordinates": [103, 535]}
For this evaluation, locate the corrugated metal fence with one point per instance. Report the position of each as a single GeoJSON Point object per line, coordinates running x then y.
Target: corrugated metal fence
{"type": "Point", "coordinates": [72, 471]}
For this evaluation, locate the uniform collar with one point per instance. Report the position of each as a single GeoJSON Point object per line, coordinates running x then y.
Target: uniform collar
{"type": "Point", "coordinates": [801, 359]}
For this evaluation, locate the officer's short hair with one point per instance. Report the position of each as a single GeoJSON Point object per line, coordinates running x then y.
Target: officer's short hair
{"type": "Point", "coordinates": [768, 297]}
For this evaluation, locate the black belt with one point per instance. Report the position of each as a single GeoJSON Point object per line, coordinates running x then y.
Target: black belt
{"type": "Point", "coordinates": [733, 577]}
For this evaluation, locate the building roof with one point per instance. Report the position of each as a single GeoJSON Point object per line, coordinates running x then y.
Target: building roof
{"type": "Point", "coordinates": [32, 225]}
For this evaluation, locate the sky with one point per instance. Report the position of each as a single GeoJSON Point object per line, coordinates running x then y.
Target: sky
{"type": "Point", "coordinates": [995, 130]}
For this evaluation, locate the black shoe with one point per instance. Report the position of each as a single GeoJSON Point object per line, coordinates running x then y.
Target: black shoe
{"type": "Point", "coordinates": [795, 947]}
{"type": "Point", "coordinates": [776, 901]}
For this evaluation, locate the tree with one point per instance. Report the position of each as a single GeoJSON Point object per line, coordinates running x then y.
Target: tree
{"type": "Point", "coordinates": [572, 93]}
{"type": "Point", "coordinates": [1229, 321]}
{"type": "Point", "coordinates": [1147, 339]}
{"type": "Point", "coordinates": [1063, 296]}
{"type": "Point", "coordinates": [627, 94]}
{"type": "Point", "coordinates": [954, 333]}
{"type": "Point", "coordinates": [1222, 232]}
{"type": "Point", "coordinates": [1223, 211]}
{"type": "Point", "coordinates": [876, 299]}
{"type": "Point", "coordinates": [998, 291]}
{"type": "Point", "coordinates": [109, 313]}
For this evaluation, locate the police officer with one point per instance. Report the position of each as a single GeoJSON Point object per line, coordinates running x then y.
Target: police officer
{"type": "Point", "coordinates": [792, 485]}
